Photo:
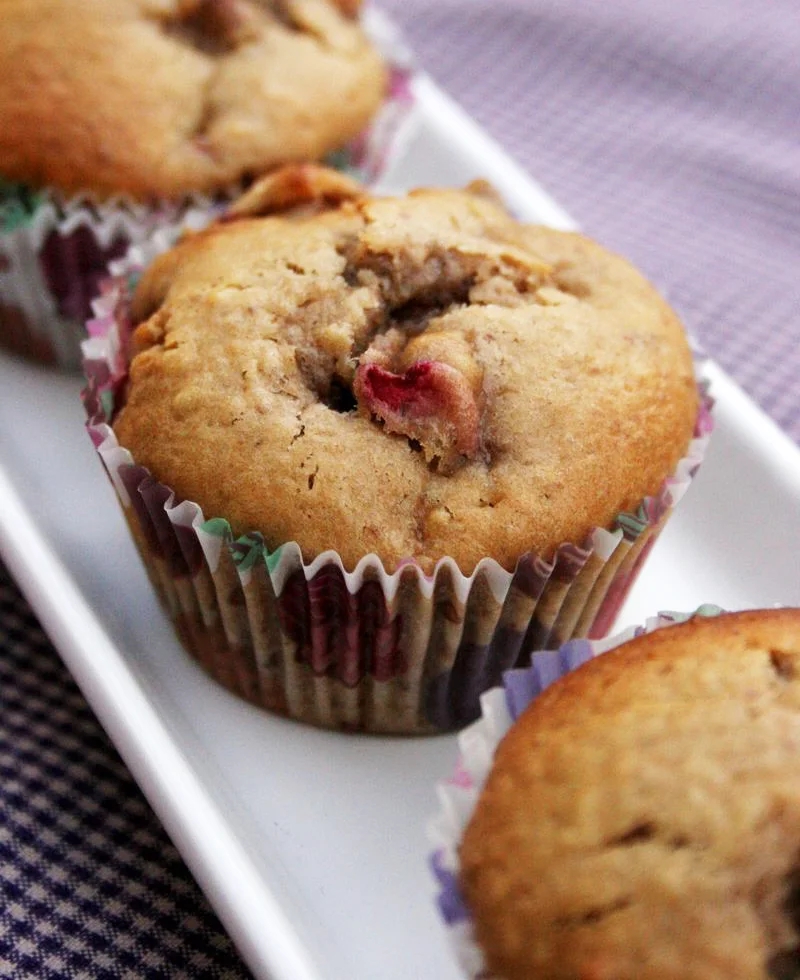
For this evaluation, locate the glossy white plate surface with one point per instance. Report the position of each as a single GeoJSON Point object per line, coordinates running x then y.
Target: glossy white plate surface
{"type": "Point", "coordinates": [309, 844]}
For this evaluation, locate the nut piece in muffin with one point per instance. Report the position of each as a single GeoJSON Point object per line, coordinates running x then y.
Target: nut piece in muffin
{"type": "Point", "coordinates": [641, 820]}
{"type": "Point", "coordinates": [159, 98]}
{"type": "Point", "coordinates": [414, 376]}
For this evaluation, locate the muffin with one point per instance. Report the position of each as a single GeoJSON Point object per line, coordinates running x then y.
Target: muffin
{"type": "Point", "coordinates": [640, 819]}
{"type": "Point", "coordinates": [138, 115]}
{"type": "Point", "coordinates": [479, 419]}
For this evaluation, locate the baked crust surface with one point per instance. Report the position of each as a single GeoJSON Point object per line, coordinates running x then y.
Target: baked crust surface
{"type": "Point", "coordinates": [157, 98]}
{"type": "Point", "coordinates": [417, 376]}
{"type": "Point", "coordinates": [642, 819]}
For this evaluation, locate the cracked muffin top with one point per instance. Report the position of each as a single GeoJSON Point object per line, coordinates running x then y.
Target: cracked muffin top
{"type": "Point", "coordinates": [642, 818]}
{"type": "Point", "coordinates": [157, 98]}
{"type": "Point", "coordinates": [416, 376]}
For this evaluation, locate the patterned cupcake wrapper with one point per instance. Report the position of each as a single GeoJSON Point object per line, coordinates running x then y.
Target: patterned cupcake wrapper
{"type": "Point", "coordinates": [458, 796]}
{"type": "Point", "coordinates": [365, 650]}
{"type": "Point", "coordinates": [54, 252]}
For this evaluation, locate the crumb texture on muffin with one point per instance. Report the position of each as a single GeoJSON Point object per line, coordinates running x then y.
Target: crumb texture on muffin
{"type": "Point", "coordinates": [418, 376]}
{"type": "Point", "coordinates": [642, 819]}
{"type": "Point", "coordinates": [156, 98]}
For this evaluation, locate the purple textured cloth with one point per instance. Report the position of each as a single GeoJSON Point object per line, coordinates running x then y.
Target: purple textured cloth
{"type": "Point", "coordinates": [90, 885]}
{"type": "Point", "coordinates": [670, 129]}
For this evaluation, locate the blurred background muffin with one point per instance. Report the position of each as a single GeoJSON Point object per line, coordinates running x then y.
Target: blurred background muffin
{"type": "Point", "coordinates": [122, 117]}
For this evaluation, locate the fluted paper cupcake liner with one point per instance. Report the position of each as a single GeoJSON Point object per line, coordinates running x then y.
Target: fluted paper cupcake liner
{"type": "Point", "coordinates": [55, 251]}
{"type": "Point", "coordinates": [364, 649]}
{"type": "Point", "coordinates": [458, 796]}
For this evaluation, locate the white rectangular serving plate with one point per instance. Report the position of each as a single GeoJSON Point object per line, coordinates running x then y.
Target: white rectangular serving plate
{"type": "Point", "coordinates": [310, 844]}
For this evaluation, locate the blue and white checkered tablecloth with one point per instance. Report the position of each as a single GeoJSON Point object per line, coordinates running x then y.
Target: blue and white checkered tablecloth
{"type": "Point", "coordinates": [671, 130]}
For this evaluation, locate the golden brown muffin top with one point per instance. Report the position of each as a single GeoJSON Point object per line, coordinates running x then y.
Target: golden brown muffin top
{"type": "Point", "coordinates": [416, 376]}
{"type": "Point", "coordinates": [157, 98]}
{"type": "Point", "coordinates": [642, 818]}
